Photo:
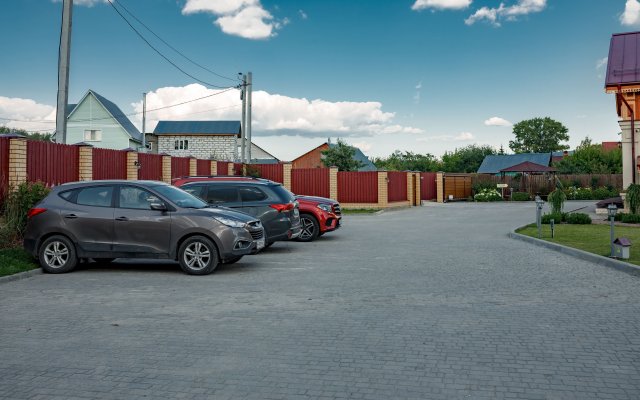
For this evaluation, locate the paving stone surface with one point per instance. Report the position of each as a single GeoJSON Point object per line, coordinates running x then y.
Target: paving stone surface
{"type": "Point", "coordinates": [427, 303]}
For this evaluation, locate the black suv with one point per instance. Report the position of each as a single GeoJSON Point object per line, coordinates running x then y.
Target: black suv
{"type": "Point", "coordinates": [274, 205]}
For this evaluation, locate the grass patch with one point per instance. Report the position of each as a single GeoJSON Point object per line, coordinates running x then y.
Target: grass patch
{"type": "Point", "coordinates": [15, 260]}
{"type": "Point", "coordinates": [360, 211]}
{"type": "Point", "coordinates": [591, 238]}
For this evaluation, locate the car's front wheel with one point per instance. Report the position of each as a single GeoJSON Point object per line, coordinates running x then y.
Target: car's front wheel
{"type": "Point", "coordinates": [310, 228]}
{"type": "Point", "coordinates": [198, 256]}
{"type": "Point", "coordinates": [57, 255]}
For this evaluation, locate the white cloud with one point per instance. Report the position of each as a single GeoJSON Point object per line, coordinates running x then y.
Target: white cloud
{"type": "Point", "coordinates": [462, 137]}
{"type": "Point", "coordinates": [631, 14]}
{"type": "Point", "coordinates": [441, 4]}
{"type": "Point", "coordinates": [37, 116]}
{"type": "Point", "coordinates": [602, 62]}
{"type": "Point", "coordinates": [497, 121]}
{"type": "Point", "coordinates": [275, 114]}
{"type": "Point", "coordinates": [509, 13]}
{"type": "Point", "coordinates": [364, 146]}
{"type": "Point", "coordinates": [303, 14]}
{"type": "Point", "coordinates": [243, 18]}
{"type": "Point", "coordinates": [416, 97]}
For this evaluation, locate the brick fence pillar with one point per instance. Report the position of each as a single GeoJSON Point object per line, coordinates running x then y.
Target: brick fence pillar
{"type": "Point", "coordinates": [333, 183]}
{"type": "Point", "coordinates": [132, 166]}
{"type": "Point", "coordinates": [418, 194]}
{"type": "Point", "coordinates": [193, 167]}
{"type": "Point", "coordinates": [440, 187]}
{"type": "Point", "coordinates": [85, 163]}
{"type": "Point", "coordinates": [286, 175]}
{"type": "Point", "coordinates": [17, 162]}
{"type": "Point", "coordinates": [410, 194]}
{"type": "Point", "coordinates": [383, 189]}
{"type": "Point", "coordinates": [230, 169]}
{"type": "Point", "coordinates": [166, 169]}
{"type": "Point", "coordinates": [214, 167]}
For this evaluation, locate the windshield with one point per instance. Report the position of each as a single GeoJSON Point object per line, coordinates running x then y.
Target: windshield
{"type": "Point", "coordinates": [179, 197]}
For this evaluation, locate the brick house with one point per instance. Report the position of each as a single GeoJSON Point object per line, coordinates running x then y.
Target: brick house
{"type": "Point", "coordinates": [216, 140]}
{"type": "Point", "coordinates": [313, 158]}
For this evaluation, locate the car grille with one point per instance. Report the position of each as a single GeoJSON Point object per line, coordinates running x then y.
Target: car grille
{"type": "Point", "coordinates": [257, 234]}
{"type": "Point", "coordinates": [336, 209]}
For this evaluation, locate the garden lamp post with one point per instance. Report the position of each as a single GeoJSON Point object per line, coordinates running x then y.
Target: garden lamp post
{"type": "Point", "coordinates": [612, 210]}
{"type": "Point", "coordinates": [539, 205]}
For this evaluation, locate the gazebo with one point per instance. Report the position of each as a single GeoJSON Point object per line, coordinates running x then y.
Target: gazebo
{"type": "Point", "coordinates": [528, 168]}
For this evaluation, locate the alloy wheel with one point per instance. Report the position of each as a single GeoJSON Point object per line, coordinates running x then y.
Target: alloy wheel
{"type": "Point", "coordinates": [56, 254]}
{"type": "Point", "coordinates": [197, 256]}
{"type": "Point", "coordinates": [308, 228]}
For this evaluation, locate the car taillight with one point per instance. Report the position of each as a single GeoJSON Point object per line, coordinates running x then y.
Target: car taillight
{"type": "Point", "coordinates": [35, 211]}
{"type": "Point", "coordinates": [282, 207]}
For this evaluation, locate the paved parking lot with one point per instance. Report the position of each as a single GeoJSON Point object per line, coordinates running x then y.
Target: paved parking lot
{"type": "Point", "coordinates": [427, 303]}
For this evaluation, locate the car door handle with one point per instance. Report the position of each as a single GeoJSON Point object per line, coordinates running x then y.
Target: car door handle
{"type": "Point", "coordinates": [70, 216]}
{"type": "Point", "coordinates": [122, 219]}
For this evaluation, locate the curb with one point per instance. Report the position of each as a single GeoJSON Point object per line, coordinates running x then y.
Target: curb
{"type": "Point", "coordinates": [20, 275]}
{"type": "Point", "coordinates": [581, 254]}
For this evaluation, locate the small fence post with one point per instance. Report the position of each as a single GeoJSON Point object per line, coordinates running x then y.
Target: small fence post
{"type": "Point", "coordinates": [85, 162]}
{"type": "Point", "coordinates": [193, 166]}
{"type": "Point", "coordinates": [383, 189]}
{"type": "Point", "coordinates": [418, 193]}
{"type": "Point", "coordinates": [17, 162]}
{"type": "Point", "coordinates": [333, 183]}
{"type": "Point", "coordinates": [286, 175]}
{"type": "Point", "coordinates": [410, 194]}
{"type": "Point", "coordinates": [132, 166]}
{"type": "Point", "coordinates": [230, 169]}
{"type": "Point", "coordinates": [440, 187]}
{"type": "Point", "coordinates": [214, 167]}
{"type": "Point", "coordinates": [166, 169]}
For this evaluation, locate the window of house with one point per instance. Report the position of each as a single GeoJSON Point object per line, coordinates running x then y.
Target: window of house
{"type": "Point", "coordinates": [177, 144]}
{"type": "Point", "coordinates": [181, 145]}
{"type": "Point", "coordinates": [92, 135]}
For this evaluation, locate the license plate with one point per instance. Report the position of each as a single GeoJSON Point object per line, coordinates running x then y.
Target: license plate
{"type": "Point", "coordinates": [260, 243]}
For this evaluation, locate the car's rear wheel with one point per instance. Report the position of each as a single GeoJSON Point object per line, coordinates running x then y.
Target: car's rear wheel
{"type": "Point", "coordinates": [198, 256]}
{"type": "Point", "coordinates": [57, 255]}
{"type": "Point", "coordinates": [310, 228]}
{"type": "Point", "coordinates": [232, 260]}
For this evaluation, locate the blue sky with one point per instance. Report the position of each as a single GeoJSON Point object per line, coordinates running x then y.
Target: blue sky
{"type": "Point", "coordinates": [420, 75]}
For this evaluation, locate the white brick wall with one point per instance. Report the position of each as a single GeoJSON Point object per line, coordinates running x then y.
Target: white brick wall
{"type": "Point", "coordinates": [217, 147]}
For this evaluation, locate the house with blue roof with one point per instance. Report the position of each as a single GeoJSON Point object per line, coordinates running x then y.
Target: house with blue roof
{"type": "Point", "coordinates": [217, 140]}
{"type": "Point", "coordinates": [97, 121]}
{"type": "Point", "coordinates": [494, 164]}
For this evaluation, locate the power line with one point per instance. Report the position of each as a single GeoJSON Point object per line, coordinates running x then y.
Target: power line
{"type": "Point", "coordinates": [159, 52]}
{"type": "Point", "coordinates": [171, 47]}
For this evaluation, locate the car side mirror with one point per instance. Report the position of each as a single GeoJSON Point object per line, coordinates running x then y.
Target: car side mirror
{"type": "Point", "coordinates": [158, 206]}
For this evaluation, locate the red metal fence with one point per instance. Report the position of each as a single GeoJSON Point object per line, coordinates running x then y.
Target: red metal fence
{"type": "Point", "coordinates": [358, 187]}
{"type": "Point", "coordinates": [237, 169]}
{"type": "Point", "coordinates": [428, 186]}
{"type": "Point", "coordinates": [180, 167]}
{"type": "Point", "coordinates": [51, 163]}
{"type": "Point", "coordinates": [274, 172]}
{"type": "Point", "coordinates": [109, 164]}
{"type": "Point", "coordinates": [150, 166]}
{"type": "Point", "coordinates": [310, 181]}
{"type": "Point", "coordinates": [4, 168]}
{"type": "Point", "coordinates": [223, 168]}
{"type": "Point", "coordinates": [203, 167]}
{"type": "Point", "coordinates": [397, 186]}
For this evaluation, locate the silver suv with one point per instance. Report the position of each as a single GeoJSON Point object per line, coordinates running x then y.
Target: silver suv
{"type": "Point", "coordinates": [105, 220]}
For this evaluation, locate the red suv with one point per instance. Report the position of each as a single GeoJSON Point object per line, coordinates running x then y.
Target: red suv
{"type": "Point", "coordinates": [318, 215]}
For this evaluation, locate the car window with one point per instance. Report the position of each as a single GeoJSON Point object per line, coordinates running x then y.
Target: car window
{"type": "Point", "coordinates": [249, 193]}
{"type": "Point", "coordinates": [222, 194]}
{"type": "Point", "coordinates": [136, 198]}
{"type": "Point", "coordinates": [284, 195]}
{"type": "Point", "coordinates": [97, 196]}
{"type": "Point", "coordinates": [179, 197]}
{"type": "Point", "coordinates": [195, 190]}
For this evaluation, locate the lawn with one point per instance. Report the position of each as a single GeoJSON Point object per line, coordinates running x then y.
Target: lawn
{"type": "Point", "coordinates": [15, 260]}
{"type": "Point", "coordinates": [360, 211]}
{"type": "Point", "coordinates": [591, 238]}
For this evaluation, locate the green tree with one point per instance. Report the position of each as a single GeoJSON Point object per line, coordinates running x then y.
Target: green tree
{"type": "Point", "coordinates": [591, 158]}
{"type": "Point", "coordinates": [408, 161]}
{"type": "Point", "coordinates": [45, 137]}
{"type": "Point", "coordinates": [539, 135]}
{"type": "Point", "coordinates": [466, 159]}
{"type": "Point", "coordinates": [341, 155]}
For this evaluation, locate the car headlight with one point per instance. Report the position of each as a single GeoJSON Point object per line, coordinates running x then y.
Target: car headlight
{"type": "Point", "coordinates": [325, 207]}
{"type": "Point", "coordinates": [234, 223]}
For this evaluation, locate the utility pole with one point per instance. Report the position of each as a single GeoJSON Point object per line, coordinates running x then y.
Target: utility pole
{"type": "Point", "coordinates": [243, 123]}
{"type": "Point", "coordinates": [63, 72]}
{"type": "Point", "coordinates": [144, 122]}
{"type": "Point", "coordinates": [249, 93]}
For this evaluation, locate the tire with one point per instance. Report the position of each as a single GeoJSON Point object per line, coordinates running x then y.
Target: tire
{"type": "Point", "coordinates": [57, 255]}
{"type": "Point", "coordinates": [310, 228]}
{"type": "Point", "coordinates": [232, 260]}
{"type": "Point", "coordinates": [103, 260]}
{"type": "Point", "coordinates": [198, 256]}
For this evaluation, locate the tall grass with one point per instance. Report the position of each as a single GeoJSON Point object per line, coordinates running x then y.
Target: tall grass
{"type": "Point", "coordinates": [633, 198]}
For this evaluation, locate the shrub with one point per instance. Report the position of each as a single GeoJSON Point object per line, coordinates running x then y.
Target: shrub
{"type": "Point", "coordinates": [18, 204]}
{"type": "Point", "coordinates": [629, 218]}
{"type": "Point", "coordinates": [578, 219]}
{"type": "Point", "coordinates": [601, 193]}
{"type": "Point", "coordinates": [556, 200]}
{"type": "Point", "coordinates": [252, 171]}
{"type": "Point", "coordinates": [557, 218]}
{"type": "Point", "coordinates": [482, 185]}
{"type": "Point", "coordinates": [488, 195]}
{"type": "Point", "coordinates": [520, 196]}
{"type": "Point", "coordinates": [633, 198]}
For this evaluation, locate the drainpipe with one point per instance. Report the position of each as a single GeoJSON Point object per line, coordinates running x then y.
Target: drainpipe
{"type": "Point", "coordinates": [620, 97]}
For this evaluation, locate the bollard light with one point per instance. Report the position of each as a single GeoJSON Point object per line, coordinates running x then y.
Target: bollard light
{"type": "Point", "coordinates": [612, 210]}
{"type": "Point", "coordinates": [539, 202]}
{"type": "Point", "coordinates": [539, 205]}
